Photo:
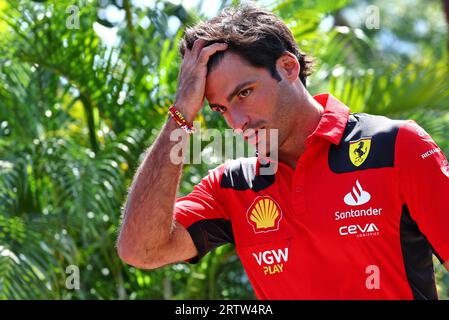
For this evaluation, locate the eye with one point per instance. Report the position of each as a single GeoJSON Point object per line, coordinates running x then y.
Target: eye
{"type": "Point", "coordinates": [220, 109]}
{"type": "Point", "coordinates": [245, 92]}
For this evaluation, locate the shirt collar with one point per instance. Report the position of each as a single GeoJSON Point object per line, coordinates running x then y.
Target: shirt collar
{"type": "Point", "coordinates": [334, 119]}
{"type": "Point", "coordinates": [332, 123]}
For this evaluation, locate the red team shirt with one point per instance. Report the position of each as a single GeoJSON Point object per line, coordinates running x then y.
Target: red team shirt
{"type": "Point", "coordinates": [359, 217]}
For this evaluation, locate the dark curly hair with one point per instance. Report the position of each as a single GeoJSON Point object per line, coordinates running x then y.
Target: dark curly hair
{"type": "Point", "coordinates": [257, 35]}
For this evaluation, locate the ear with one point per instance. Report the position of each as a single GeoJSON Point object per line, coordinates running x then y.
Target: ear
{"type": "Point", "coordinates": [288, 66]}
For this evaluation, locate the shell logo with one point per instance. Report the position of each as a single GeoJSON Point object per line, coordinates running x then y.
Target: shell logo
{"type": "Point", "coordinates": [264, 215]}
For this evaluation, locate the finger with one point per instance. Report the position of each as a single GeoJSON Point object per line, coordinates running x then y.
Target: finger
{"type": "Point", "coordinates": [197, 46]}
{"type": "Point", "coordinates": [210, 50]}
{"type": "Point", "coordinates": [187, 53]}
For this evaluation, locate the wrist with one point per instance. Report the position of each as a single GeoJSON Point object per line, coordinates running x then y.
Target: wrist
{"type": "Point", "coordinates": [181, 120]}
{"type": "Point", "coordinates": [186, 111]}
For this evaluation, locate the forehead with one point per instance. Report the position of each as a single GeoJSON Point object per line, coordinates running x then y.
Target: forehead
{"type": "Point", "coordinates": [230, 71]}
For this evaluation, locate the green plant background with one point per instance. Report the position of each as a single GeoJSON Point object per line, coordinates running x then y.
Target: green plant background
{"type": "Point", "coordinates": [78, 109]}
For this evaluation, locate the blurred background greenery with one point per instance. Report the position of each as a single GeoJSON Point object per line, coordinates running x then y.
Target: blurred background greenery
{"type": "Point", "coordinates": [84, 87]}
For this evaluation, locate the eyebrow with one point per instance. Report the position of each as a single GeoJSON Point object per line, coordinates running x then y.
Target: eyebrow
{"type": "Point", "coordinates": [234, 92]}
{"type": "Point", "coordinates": [237, 89]}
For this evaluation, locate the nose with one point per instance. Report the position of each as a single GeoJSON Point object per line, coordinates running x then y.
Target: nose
{"type": "Point", "coordinates": [237, 120]}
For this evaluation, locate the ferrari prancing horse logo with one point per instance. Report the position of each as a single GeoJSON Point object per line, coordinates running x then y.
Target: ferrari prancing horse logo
{"type": "Point", "coordinates": [359, 150]}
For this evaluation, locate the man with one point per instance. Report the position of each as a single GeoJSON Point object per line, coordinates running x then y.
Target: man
{"type": "Point", "coordinates": [357, 203]}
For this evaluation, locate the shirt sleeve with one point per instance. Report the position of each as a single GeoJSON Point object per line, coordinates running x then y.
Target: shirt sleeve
{"type": "Point", "coordinates": [203, 214]}
{"type": "Point", "coordinates": [424, 177]}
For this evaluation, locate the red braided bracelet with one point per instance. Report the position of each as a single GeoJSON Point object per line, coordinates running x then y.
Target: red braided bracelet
{"type": "Point", "coordinates": [180, 120]}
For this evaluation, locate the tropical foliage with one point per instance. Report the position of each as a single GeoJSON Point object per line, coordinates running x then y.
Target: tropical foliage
{"type": "Point", "coordinates": [82, 95]}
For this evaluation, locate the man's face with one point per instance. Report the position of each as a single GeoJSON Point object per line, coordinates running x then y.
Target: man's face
{"type": "Point", "coordinates": [249, 98]}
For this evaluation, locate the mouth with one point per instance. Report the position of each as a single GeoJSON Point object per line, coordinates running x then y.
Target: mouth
{"type": "Point", "coordinates": [253, 136]}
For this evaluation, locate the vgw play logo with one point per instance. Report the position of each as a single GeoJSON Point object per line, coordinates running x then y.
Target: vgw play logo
{"type": "Point", "coordinates": [272, 261]}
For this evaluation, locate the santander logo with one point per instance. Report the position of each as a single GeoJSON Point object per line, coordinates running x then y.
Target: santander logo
{"type": "Point", "coordinates": [357, 196]}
